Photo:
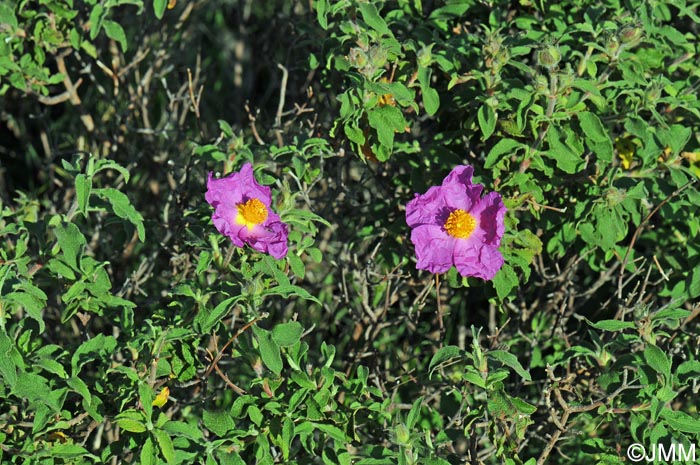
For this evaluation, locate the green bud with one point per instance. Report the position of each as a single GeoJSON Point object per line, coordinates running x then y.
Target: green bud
{"type": "Point", "coordinates": [403, 436]}
{"type": "Point", "coordinates": [549, 57]}
{"type": "Point", "coordinates": [631, 35]}
{"type": "Point", "coordinates": [357, 58]}
{"type": "Point", "coordinates": [425, 56]}
{"type": "Point", "coordinates": [377, 57]}
{"type": "Point", "coordinates": [541, 84]}
{"type": "Point", "coordinates": [612, 46]}
{"type": "Point", "coordinates": [652, 94]}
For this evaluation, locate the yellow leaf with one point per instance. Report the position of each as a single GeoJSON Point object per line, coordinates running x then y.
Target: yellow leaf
{"type": "Point", "coordinates": [625, 151]}
{"type": "Point", "coordinates": [162, 397]}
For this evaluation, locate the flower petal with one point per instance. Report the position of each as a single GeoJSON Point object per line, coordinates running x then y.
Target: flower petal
{"type": "Point", "coordinates": [482, 261]}
{"type": "Point", "coordinates": [434, 248]}
{"type": "Point", "coordinates": [269, 237]}
{"type": "Point", "coordinates": [425, 208]}
{"type": "Point", "coordinates": [490, 212]}
{"type": "Point", "coordinates": [458, 189]}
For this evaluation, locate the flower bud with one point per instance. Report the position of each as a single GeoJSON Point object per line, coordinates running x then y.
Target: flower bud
{"type": "Point", "coordinates": [377, 57]}
{"type": "Point", "coordinates": [425, 56]}
{"type": "Point", "coordinates": [549, 57]}
{"type": "Point", "coordinates": [492, 102]}
{"type": "Point", "coordinates": [631, 35]}
{"type": "Point", "coordinates": [652, 93]}
{"type": "Point", "coordinates": [403, 436]}
{"type": "Point", "coordinates": [357, 57]}
{"type": "Point", "coordinates": [612, 46]}
{"type": "Point", "coordinates": [541, 84]}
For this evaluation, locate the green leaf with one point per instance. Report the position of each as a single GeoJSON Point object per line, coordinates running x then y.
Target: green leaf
{"type": "Point", "coordinates": [681, 421]}
{"type": "Point", "coordinates": [132, 421]}
{"type": "Point", "coordinates": [159, 7]}
{"type": "Point", "coordinates": [146, 397]}
{"type": "Point", "coordinates": [693, 284]}
{"type": "Point", "coordinates": [205, 320]}
{"type": "Point", "coordinates": [99, 346]}
{"type": "Point", "coordinates": [522, 406]}
{"type": "Point", "coordinates": [510, 360]}
{"type": "Point", "coordinates": [593, 127]}
{"type": "Point", "coordinates": [354, 134]}
{"type": "Point", "coordinates": [59, 268]}
{"type": "Point", "coordinates": [287, 334]}
{"type": "Point", "coordinates": [414, 413]}
{"type": "Point", "coordinates": [123, 209]}
{"type": "Point", "coordinates": [387, 121]}
{"type": "Point", "coordinates": [68, 451]}
{"type": "Point", "coordinates": [487, 120]}
{"type": "Point", "coordinates": [148, 453]}
{"type": "Point", "coordinates": [287, 290]}
{"type": "Point", "coordinates": [502, 147]}
{"type": "Point", "coordinates": [431, 100]}
{"type": "Point", "coordinates": [219, 422]}
{"type": "Point", "coordinates": [165, 443]}
{"type": "Point", "coordinates": [70, 240]}
{"type": "Point", "coordinates": [79, 386]}
{"type": "Point", "coordinates": [115, 32]}
{"type": "Point", "coordinates": [443, 355]}
{"type": "Point", "coordinates": [83, 186]}
{"type": "Point", "coordinates": [95, 21]}
{"type": "Point", "coordinates": [658, 361]}
{"type": "Point", "coordinates": [321, 12]}
{"type": "Point", "coordinates": [597, 137]}
{"type": "Point", "coordinates": [269, 350]}
{"type": "Point", "coordinates": [612, 325]}
{"type": "Point", "coordinates": [371, 16]}
{"type": "Point", "coordinates": [297, 265]}
{"type": "Point", "coordinates": [504, 281]}
{"type": "Point", "coordinates": [179, 428]}
{"type": "Point", "coordinates": [8, 368]}
{"type": "Point", "coordinates": [287, 436]}
{"type": "Point", "coordinates": [566, 159]}
{"type": "Point", "coordinates": [32, 304]}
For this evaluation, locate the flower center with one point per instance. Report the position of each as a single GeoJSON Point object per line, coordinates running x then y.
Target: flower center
{"type": "Point", "coordinates": [460, 224]}
{"type": "Point", "coordinates": [251, 213]}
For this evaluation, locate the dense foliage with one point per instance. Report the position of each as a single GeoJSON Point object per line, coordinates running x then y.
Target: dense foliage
{"type": "Point", "coordinates": [132, 331]}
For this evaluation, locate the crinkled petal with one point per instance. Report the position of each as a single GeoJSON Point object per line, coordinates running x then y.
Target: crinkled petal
{"type": "Point", "coordinates": [481, 261]}
{"type": "Point", "coordinates": [228, 227]}
{"type": "Point", "coordinates": [425, 208]}
{"type": "Point", "coordinates": [236, 188]}
{"type": "Point", "coordinates": [253, 190]}
{"type": "Point", "coordinates": [434, 248]}
{"type": "Point", "coordinates": [269, 237]}
{"type": "Point", "coordinates": [490, 212]}
{"type": "Point", "coordinates": [458, 189]}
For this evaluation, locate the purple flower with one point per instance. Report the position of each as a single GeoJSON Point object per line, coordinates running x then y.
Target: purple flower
{"type": "Point", "coordinates": [242, 212]}
{"type": "Point", "coordinates": [452, 225]}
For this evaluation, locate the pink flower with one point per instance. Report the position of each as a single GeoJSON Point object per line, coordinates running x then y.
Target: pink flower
{"type": "Point", "coordinates": [452, 225]}
{"type": "Point", "coordinates": [242, 212]}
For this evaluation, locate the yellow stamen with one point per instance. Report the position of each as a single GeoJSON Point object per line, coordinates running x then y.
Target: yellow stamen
{"type": "Point", "coordinates": [460, 224]}
{"type": "Point", "coordinates": [251, 213]}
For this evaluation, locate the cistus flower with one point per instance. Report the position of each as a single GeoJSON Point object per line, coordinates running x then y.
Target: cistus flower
{"type": "Point", "coordinates": [453, 225]}
{"type": "Point", "coordinates": [242, 212]}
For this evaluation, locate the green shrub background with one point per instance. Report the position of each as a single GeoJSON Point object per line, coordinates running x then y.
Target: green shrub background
{"type": "Point", "coordinates": [114, 284]}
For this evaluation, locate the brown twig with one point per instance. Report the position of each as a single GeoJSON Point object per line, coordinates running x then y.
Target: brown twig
{"type": "Point", "coordinates": [561, 422]}
{"type": "Point", "coordinates": [620, 311]}
{"type": "Point", "coordinates": [221, 352]}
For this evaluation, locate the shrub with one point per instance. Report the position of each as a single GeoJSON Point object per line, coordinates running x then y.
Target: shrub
{"type": "Point", "coordinates": [133, 331]}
